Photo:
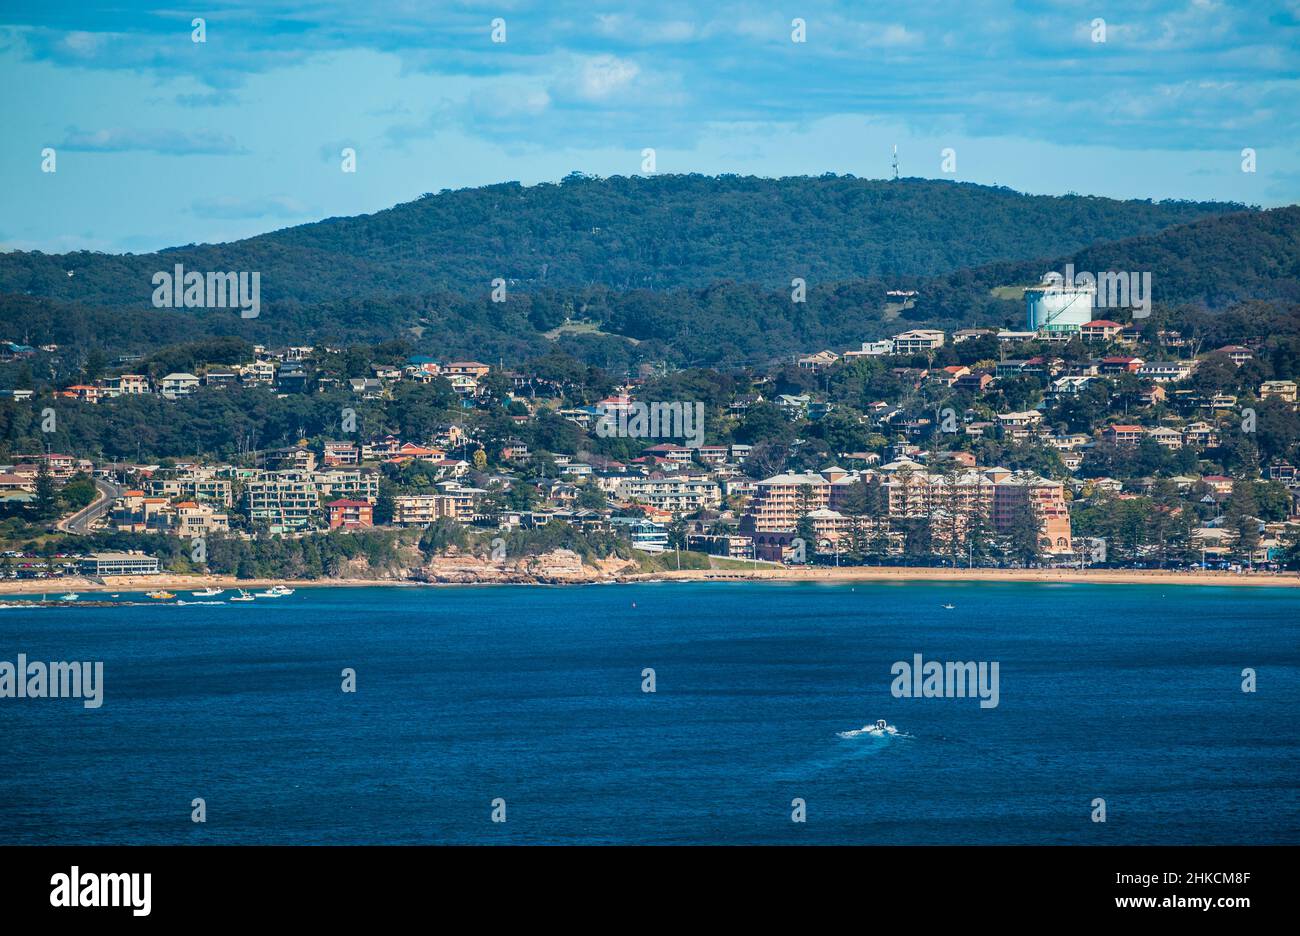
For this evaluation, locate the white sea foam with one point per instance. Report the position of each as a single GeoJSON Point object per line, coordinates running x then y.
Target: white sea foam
{"type": "Point", "coordinates": [889, 731]}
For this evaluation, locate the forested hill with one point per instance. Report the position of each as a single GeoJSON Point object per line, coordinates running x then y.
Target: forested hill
{"type": "Point", "coordinates": [658, 232]}
{"type": "Point", "coordinates": [1212, 264]}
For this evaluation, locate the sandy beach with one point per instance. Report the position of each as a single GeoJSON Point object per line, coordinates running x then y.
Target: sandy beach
{"type": "Point", "coordinates": [899, 574]}
{"type": "Point", "coordinates": [182, 584]}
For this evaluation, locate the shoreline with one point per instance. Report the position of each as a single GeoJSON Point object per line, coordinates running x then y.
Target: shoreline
{"type": "Point", "coordinates": [1045, 576]}
{"type": "Point", "coordinates": [182, 584]}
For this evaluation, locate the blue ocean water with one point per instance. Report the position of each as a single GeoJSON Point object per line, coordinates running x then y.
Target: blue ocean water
{"type": "Point", "coordinates": [534, 695]}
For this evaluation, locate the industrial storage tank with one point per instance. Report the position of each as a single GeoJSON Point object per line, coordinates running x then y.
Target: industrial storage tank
{"type": "Point", "coordinates": [1059, 306]}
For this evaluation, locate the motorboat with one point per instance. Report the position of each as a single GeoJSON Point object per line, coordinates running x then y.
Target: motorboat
{"type": "Point", "coordinates": [70, 596]}
{"type": "Point", "coordinates": [207, 592]}
{"type": "Point", "coordinates": [280, 591]}
{"type": "Point", "coordinates": [242, 596]}
{"type": "Point", "coordinates": [880, 729]}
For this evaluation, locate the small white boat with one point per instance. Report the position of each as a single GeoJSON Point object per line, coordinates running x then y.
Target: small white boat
{"type": "Point", "coordinates": [207, 592]}
{"type": "Point", "coordinates": [242, 596]}
{"type": "Point", "coordinates": [70, 596]}
{"type": "Point", "coordinates": [879, 730]}
{"type": "Point", "coordinates": [949, 607]}
{"type": "Point", "coordinates": [280, 591]}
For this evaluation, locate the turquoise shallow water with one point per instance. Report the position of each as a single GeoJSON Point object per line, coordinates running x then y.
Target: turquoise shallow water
{"type": "Point", "coordinates": [534, 695]}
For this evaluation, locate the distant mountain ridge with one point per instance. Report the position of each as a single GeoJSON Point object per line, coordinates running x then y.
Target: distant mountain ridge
{"type": "Point", "coordinates": [1213, 263]}
{"type": "Point", "coordinates": [658, 232]}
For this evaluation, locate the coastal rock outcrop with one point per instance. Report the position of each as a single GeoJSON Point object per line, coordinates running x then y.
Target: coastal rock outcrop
{"type": "Point", "coordinates": [556, 567]}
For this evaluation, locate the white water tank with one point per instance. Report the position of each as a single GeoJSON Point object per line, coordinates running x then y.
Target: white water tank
{"type": "Point", "coordinates": [1059, 307]}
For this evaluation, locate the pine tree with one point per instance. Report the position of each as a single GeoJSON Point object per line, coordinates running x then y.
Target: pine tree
{"type": "Point", "coordinates": [1024, 532]}
{"type": "Point", "coordinates": [384, 506]}
{"type": "Point", "coordinates": [854, 506]}
{"type": "Point", "coordinates": [1242, 518]}
{"type": "Point", "coordinates": [954, 519]}
{"type": "Point", "coordinates": [47, 496]}
{"type": "Point", "coordinates": [979, 536]}
{"type": "Point", "coordinates": [878, 511]}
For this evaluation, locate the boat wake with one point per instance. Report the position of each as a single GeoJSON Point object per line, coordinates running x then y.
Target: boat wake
{"type": "Point", "coordinates": [879, 730]}
{"type": "Point", "coordinates": [187, 603]}
{"type": "Point", "coordinates": [868, 742]}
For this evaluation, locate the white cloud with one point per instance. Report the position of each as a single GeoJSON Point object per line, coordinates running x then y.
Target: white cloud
{"type": "Point", "coordinates": [270, 206]}
{"type": "Point", "coordinates": [599, 77]}
{"type": "Point", "coordinates": [84, 44]}
{"type": "Point", "coordinates": [509, 100]}
{"type": "Point", "coordinates": [169, 141]}
{"type": "Point", "coordinates": [634, 29]}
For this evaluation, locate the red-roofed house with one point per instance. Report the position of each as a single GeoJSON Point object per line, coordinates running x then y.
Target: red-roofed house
{"type": "Point", "coordinates": [1121, 364]}
{"type": "Point", "coordinates": [350, 513]}
{"type": "Point", "coordinates": [1100, 330]}
{"type": "Point", "coordinates": [88, 393]}
{"type": "Point", "coordinates": [1123, 435]}
{"type": "Point", "coordinates": [1220, 484]}
{"type": "Point", "coordinates": [409, 451]}
{"type": "Point", "coordinates": [948, 375]}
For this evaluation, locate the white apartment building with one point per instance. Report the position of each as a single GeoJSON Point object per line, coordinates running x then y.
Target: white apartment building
{"type": "Point", "coordinates": [678, 495]}
{"type": "Point", "coordinates": [918, 341]}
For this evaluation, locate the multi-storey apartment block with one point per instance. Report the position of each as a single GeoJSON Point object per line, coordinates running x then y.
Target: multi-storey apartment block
{"type": "Point", "coordinates": [676, 495]}
{"type": "Point", "coordinates": [200, 484]}
{"type": "Point", "coordinates": [284, 499]}
{"type": "Point", "coordinates": [912, 492]}
{"type": "Point", "coordinates": [355, 483]}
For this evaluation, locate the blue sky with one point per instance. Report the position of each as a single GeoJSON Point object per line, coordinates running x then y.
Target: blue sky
{"type": "Point", "coordinates": [162, 141]}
